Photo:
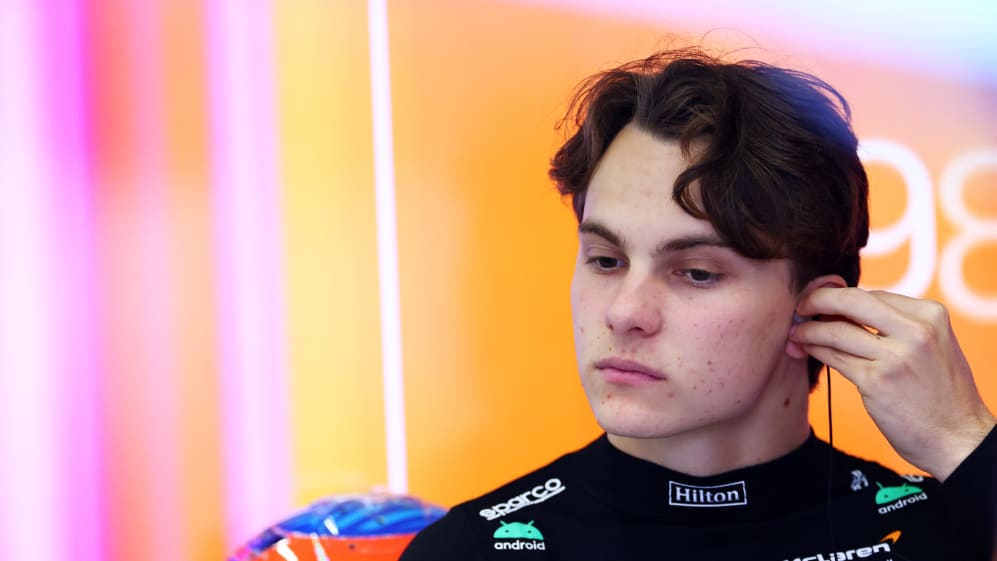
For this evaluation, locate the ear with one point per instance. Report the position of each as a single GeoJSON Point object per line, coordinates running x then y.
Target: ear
{"type": "Point", "coordinates": [794, 350]}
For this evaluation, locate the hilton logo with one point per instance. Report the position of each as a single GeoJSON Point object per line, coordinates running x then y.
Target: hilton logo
{"type": "Point", "coordinates": [731, 494]}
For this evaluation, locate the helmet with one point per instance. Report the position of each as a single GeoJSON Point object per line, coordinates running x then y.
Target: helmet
{"type": "Point", "coordinates": [367, 527]}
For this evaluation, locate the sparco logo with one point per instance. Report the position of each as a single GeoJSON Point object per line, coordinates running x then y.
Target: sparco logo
{"type": "Point", "coordinates": [731, 494]}
{"type": "Point", "coordinates": [536, 495]}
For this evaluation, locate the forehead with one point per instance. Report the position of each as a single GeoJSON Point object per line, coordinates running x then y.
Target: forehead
{"type": "Point", "coordinates": [633, 183]}
{"type": "Point", "coordinates": [637, 159]}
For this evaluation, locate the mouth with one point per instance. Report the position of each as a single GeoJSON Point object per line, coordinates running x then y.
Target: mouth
{"type": "Point", "coordinates": [628, 372]}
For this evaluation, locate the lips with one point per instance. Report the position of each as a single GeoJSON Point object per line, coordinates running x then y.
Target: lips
{"type": "Point", "coordinates": [628, 367]}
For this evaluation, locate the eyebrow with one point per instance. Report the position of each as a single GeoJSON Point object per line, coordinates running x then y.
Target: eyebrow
{"type": "Point", "coordinates": [680, 243]}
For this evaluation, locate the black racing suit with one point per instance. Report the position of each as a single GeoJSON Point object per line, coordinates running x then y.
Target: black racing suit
{"type": "Point", "coordinates": [600, 503]}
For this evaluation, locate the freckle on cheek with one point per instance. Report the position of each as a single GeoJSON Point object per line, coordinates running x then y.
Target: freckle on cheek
{"type": "Point", "coordinates": [786, 403]}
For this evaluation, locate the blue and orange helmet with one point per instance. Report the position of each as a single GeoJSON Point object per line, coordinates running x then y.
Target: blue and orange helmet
{"type": "Point", "coordinates": [369, 527]}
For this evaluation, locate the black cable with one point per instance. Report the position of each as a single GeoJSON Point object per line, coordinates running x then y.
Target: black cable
{"type": "Point", "coordinates": [830, 464]}
{"type": "Point", "coordinates": [830, 473]}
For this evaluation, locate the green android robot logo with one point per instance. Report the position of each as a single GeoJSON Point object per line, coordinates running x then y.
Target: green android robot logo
{"type": "Point", "coordinates": [890, 494]}
{"type": "Point", "coordinates": [518, 530]}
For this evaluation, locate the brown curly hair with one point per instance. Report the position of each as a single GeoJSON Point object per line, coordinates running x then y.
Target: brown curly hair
{"type": "Point", "coordinates": [775, 167]}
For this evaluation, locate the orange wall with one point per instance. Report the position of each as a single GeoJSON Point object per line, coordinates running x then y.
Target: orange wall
{"type": "Point", "coordinates": [133, 184]}
{"type": "Point", "coordinates": [487, 247]}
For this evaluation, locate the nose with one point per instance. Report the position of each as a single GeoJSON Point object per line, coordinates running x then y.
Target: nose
{"type": "Point", "coordinates": [636, 307]}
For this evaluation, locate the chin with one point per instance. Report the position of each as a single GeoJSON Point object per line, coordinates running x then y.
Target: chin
{"type": "Point", "coordinates": [629, 420]}
{"type": "Point", "coordinates": [630, 425]}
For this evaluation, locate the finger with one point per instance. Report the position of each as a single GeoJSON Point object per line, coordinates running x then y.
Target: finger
{"type": "Point", "coordinates": [859, 306]}
{"type": "Point", "coordinates": [925, 310]}
{"type": "Point", "coordinates": [844, 336]}
{"type": "Point", "coordinates": [853, 368]}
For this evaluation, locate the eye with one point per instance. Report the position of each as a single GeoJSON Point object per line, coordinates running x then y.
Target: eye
{"type": "Point", "coordinates": [604, 263]}
{"type": "Point", "coordinates": [700, 277]}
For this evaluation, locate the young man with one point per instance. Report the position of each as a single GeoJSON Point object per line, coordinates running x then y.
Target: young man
{"type": "Point", "coordinates": [721, 212]}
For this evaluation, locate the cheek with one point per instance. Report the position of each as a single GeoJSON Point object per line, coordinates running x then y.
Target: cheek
{"type": "Point", "coordinates": [576, 297]}
{"type": "Point", "coordinates": [718, 330]}
{"type": "Point", "coordinates": [734, 343]}
{"type": "Point", "coordinates": [580, 316]}
{"type": "Point", "coordinates": [584, 303]}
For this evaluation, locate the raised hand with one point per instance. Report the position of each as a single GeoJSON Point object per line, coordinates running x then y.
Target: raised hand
{"type": "Point", "coordinates": [903, 356]}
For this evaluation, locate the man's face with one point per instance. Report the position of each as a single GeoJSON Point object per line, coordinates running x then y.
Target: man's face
{"type": "Point", "coordinates": [675, 333]}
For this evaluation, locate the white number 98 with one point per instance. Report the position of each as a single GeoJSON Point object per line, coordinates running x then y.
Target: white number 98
{"type": "Point", "coordinates": [918, 225]}
{"type": "Point", "coordinates": [973, 231]}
